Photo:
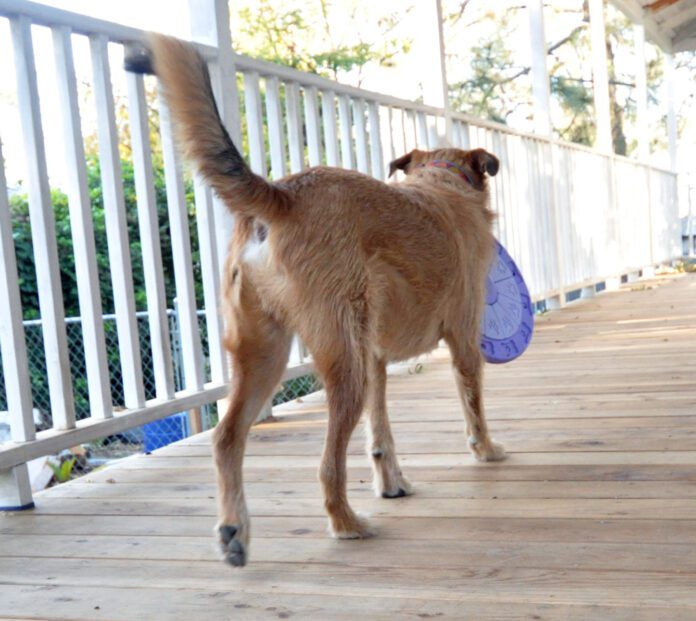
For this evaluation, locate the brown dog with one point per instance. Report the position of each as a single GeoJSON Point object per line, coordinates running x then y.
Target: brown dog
{"type": "Point", "coordinates": [364, 272]}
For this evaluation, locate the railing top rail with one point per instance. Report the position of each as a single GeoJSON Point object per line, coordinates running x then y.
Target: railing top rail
{"type": "Point", "coordinates": [265, 68]}
{"type": "Point", "coordinates": [51, 17]}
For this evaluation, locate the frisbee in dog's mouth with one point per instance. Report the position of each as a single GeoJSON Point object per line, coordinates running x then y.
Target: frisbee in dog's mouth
{"type": "Point", "coordinates": [508, 318]}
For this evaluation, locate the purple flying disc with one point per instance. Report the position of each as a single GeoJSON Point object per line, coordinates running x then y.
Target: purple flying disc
{"type": "Point", "coordinates": [508, 319]}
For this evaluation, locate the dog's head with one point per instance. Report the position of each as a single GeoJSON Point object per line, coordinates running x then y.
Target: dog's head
{"type": "Point", "coordinates": [474, 165]}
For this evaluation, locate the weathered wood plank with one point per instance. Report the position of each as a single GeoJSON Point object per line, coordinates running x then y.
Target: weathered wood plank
{"type": "Point", "coordinates": [86, 603]}
{"type": "Point", "coordinates": [589, 508]}
{"type": "Point", "coordinates": [490, 528]}
{"type": "Point", "coordinates": [595, 503]}
{"type": "Point", "coordinates": [465, 582]}
{"type": "Point", "coordinates": [668, 558]}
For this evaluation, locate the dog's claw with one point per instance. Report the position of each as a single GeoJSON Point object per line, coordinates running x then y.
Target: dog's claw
{"type": "Point", "coordinates": [227, 532]}
{"type": "Point", "coordinates": [232, 549]}
{"type": "Point", "coordinates": [400, 493]}
{"type": "Point", "coordinates": [235, 554]}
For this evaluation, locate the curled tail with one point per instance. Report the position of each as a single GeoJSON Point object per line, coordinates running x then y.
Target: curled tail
{"type": "Point", "coordinates": [186, 86]}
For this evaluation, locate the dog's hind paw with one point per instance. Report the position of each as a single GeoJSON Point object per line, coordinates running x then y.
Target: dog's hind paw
{"type": "Point", "coordinates": [232, 549]}
{"type": "Point", "coordinates": [359, 529]}
{"type": "Point", "coordinates": [402, 487]}
{"type": "Point", "coordinates": [487, 451]}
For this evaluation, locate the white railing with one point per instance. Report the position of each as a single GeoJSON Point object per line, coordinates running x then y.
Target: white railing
{"type": "Point", "coordinates": [571, 216]}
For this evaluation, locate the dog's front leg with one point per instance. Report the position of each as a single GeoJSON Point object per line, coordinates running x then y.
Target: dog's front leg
{"type": "Point", "coordinates": [468, 372]}
{"type": "Point", "coordinates": [388, 481]}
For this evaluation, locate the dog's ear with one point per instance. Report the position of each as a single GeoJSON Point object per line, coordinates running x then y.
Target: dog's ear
{"type": "Point", "coordinates": [403, 162]}
{"type": "Point", "coordinates": [483, 162]}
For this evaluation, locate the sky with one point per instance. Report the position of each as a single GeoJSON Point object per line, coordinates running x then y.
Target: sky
{"type": "Point", "coordinates": [410, 79]}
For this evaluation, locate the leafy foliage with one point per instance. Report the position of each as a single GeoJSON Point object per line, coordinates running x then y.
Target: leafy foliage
{"type": "Point", "coordinates": [63, 470]}
{"type": "Point", "coordinates": [497, 84]}
{"type": "Point", "coordinates": [19, 207]}
{"type": "Point", "coordinates": [280, 34]}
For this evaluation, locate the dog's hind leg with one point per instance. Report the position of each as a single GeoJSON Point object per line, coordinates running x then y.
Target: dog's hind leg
{"type": "Point", "coordinates": [388, 481]}
{"type": "Point", "coordinates": [467, 362]}
{"type": "Point", "coordinates": [344, 377]}
{"type": "Point", "coordinates": [259, 357]}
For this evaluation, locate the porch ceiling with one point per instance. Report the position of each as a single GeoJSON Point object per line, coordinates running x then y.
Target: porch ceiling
{"type": "Point", "coordinates": [669, 23]}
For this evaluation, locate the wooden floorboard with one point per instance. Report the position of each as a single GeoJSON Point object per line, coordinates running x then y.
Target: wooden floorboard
{"type": "Point", "coordinates": [592, 516]}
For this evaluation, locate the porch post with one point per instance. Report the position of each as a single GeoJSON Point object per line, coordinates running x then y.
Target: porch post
{"type": "Point", "coordinates": [15, 488]}
{"type": "Point", "coordinates": [429, 47]}
{"type": "Point", "coordinates": [210, 24]}
{"type": "Point", "coordinates": [671, 112]}
{"type": "Point", "coordinates": [641, 94]}
{"type": "Point", "coordinates": [443, 73]}
{"type": "Point", "coordinates": [541, 92]}
{"type": "Point", "coordinates": [600, 76]}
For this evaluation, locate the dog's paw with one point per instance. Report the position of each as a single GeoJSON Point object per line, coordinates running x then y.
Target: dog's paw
{"type": "Point", "coordinates": [359, 528]}
{"type": "Point", "coordinates": [400, 488]}
{"type": "Point", "coordinates": [487, 451]}
{"type": "Point", "coordinates": [233, 550]}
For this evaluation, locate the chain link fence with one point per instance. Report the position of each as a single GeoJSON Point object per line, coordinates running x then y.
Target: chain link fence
{"type": "Point", "coordinates": [82, 459]}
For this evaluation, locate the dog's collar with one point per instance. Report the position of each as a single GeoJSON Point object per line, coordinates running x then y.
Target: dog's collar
{"type": "Point", "coordinates": [449, 166]}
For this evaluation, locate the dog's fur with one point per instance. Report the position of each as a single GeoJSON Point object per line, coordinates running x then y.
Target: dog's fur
{"type": "Point", "coordinates": [364, 272]}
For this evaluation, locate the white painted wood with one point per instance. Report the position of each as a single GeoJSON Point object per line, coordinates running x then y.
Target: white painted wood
{"type": "Point", "coordinates": [15, 489]}
{"type": "Point", "coordinates": [82, 229]}
{"type": "Point", "coordinates": [600, 76]}
{"type": "Point", "coordinates": [671, 113]}
{"type": "Point", "coordinates": [53, 441]}
{"type": "Point", "coordinates": [296, 355]}
{"type": "Point", "coordinates": [116, 229]}
{"type": "Point", "coordinates": [422, 128]}
{"type": "Point", "coordinates": [386, 136]}
{"type": "Point", "coordinates": [13, 347]}
{"type": "Point", "coordinates": [587, 293]}
{"type": "Point", "coordinates": [396, 130]}
{"type": "Point", "coordinates": [642, 123]}
{"type": "Point", "coordinates": [376, 155]}
{"type": "Point", "coordinates": [434, 135]}
{"type": "Point", "coordinates": [362, 157]}
{"type": "Point", "coordinates": [541, 92]}
{"type": "Point", "coordinates": [410, 130]}
{"type": "Point", "coordinates": [313, 125]}
{"type": "Point", "coordinates": [443, 73]}
{"type": "Point", "coordinates": [298, 370]}
{"type": "Point", "coordinates": [148, 225]}
{"type": "Point", "coordinates": [210, 25]}
{"type": "Point", "coordinates": [276, 135]}
{"type": "Point", "coordinates": [210, 273]}
{"type": "Point", "coordinates": [294, 120]}
{"type": "Point", "coordinates": [44, 15]}
{"type": "Point", "coordinates": [328, 109]}
{"type": "Point", "coordinates": [254, 115]}
{"type": "Point", "coordinates": [43, 230]}
{"type": "Point", "coordinates": [346, 124]}
{"type": "Point", "coordinates": [181, 253]}
{"type": "Point", "coordinates": [403, 122]}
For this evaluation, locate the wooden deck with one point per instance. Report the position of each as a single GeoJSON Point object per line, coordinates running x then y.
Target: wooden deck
{"type": "Point", "coordinates": [592, 517]}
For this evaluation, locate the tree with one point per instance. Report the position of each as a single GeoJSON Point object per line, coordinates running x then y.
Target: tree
{"type": "Point", "coordinates": [19, 207]}
{"type": "Point", "coordinates": [496, 86]}
{"type": "Point", "coordinates": [282, 34]}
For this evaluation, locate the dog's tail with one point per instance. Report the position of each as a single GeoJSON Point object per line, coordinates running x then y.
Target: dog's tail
{"type": "Point", "coordinates": [186, 86]}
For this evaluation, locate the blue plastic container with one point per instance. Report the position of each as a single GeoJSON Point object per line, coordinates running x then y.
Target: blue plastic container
{"type": "Point", "coordinates": [162, 432]}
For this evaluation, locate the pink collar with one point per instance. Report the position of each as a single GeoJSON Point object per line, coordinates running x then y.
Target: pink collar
{"type": "Point", "coordinates": [449, 166]}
